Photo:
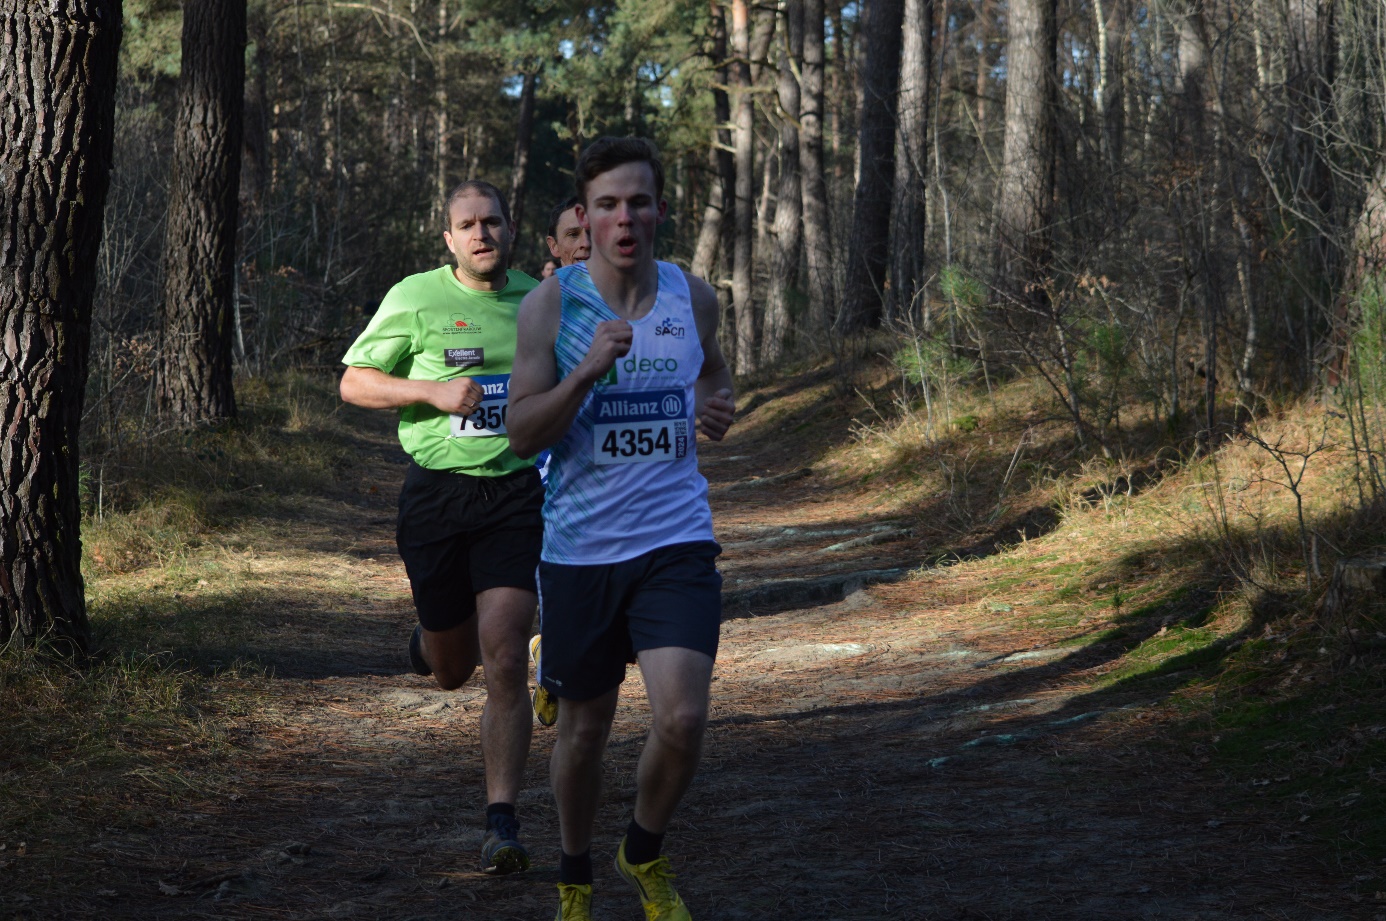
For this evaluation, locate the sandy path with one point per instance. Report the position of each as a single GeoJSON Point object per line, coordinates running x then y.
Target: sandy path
{"type": "Point", "coordinates": [873, 753]}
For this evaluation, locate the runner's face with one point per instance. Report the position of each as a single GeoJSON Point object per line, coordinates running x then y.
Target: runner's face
{"type": "Point", "coordinates": [622, 213]}
{"type": "Point", "coordinates": [570, 245]}
{"type": "Point", "coordinates": [480, 239]}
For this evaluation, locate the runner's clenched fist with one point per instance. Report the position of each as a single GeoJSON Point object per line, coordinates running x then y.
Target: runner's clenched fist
{"type": "Point", "coordinates": [610, 341]}
{"type": "Point", "coordinates": [715, 415]}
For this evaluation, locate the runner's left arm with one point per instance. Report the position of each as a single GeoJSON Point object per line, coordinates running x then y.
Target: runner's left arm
{"type": "Point", "coordinates": [716, 405]}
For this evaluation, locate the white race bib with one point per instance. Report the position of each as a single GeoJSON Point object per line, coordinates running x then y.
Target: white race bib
{"type": "Point", "coordinates": [639, 427]}
{"type": "Point", "coordinates": [489, 417]}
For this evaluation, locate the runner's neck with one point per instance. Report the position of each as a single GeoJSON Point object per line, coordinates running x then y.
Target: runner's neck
{"type": "Point", "coordinates": [629, 294]}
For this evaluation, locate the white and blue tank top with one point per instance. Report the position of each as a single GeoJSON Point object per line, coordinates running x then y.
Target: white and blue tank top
{"type": "Point", "coordinates": [624, 480]}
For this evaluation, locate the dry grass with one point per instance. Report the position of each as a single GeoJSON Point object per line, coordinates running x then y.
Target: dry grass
{"type": "Point", "coordinates": [202, 553]}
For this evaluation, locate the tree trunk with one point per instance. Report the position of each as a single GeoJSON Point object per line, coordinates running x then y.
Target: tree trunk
{"type": "Point", "coordinates": [720, 201]}
{"type": "Point", "coordinates": [911, 158]}
{"type": "Point", "coordinates": [1110, 17]}
{"type": "Point", "coordinates": [1311, 64]}
{"type": "Point", "coordinates": [58, 74]}
{"type": "Point", "coordinates": [442, 133]}
{"type": "Point", "coordinates": [195, 370]}
{"type": "Point", "coordinates": [985, 26]}
{"type": "Point", "coordinates": [745, 181]}
{"type": "Point", "coordinates": [784, 276]}
{"type": "Point", "coordinates": [524, 134]}
{"type": "Point", "coordinates": [1026, 189]}
{"type": "Point", "coordinates": [817, 226]}
{"type": "Point", "coordinates": [868, 249]}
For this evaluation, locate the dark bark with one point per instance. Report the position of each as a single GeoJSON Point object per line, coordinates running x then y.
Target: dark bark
{"type": "Point", "coordinates": [784, 276]}
{"type": "Point", "coordinates": [1025, 196]}
{"type": "Point", "coordinates": [818, 247]}
{"type": "Point", "coordinates": [1111, 25]}
{"type": "Point", "coordinates": [744, 211]}
{"type": "Point", "coordinates": [720, 200]}
{"type": "Point", "coordinates": [1311, 65]}
{"type": "Point", "coordinates": [524, 134]}
{"type": "Point", "coordinates": [911, 157]}
{"type": "Point", "coordinates": [985, 26]}
{"type": "Point", "coordinates": [56, 132]}
{"type": "Point", "coordinates": [749, 51]}
{"type": "Point", "coordinates": [194, 382]}
{"type": "Point", "coordinates": [868, 248]}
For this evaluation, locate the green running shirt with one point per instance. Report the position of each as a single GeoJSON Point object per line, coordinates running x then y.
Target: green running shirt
{"type": "Point", "coordinates": [431, 327]}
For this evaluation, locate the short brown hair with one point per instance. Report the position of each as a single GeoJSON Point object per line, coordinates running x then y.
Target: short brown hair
{"type": "Point", "coordinates": [605, 154]}
{"type": "Point", "coordinates": [475, 187]}
{"type": "Point", "coordinates": [557, 212]}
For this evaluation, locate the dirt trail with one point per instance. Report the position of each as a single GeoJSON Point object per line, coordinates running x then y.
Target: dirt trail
{"type": "Point", "coordinates": [875, 752]}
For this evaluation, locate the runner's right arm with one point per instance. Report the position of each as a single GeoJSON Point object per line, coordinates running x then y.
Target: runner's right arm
{"type": "Point", "coordinates": [542, 407]}
{"type": "Point", "coordinates": [374, 389]}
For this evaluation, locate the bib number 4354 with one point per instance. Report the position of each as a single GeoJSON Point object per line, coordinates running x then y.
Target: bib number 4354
{"type": "Point", "coordinates": [631, 443]}
{"type": "Point", "coordinates": [640, 427]}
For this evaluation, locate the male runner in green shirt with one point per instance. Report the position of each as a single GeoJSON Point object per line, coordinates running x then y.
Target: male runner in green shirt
{"type": "Point", "coordinates": [439, 351]}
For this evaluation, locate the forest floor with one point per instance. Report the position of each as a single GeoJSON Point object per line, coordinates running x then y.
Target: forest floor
{"type": "Point", "coordinates": [889, 738]}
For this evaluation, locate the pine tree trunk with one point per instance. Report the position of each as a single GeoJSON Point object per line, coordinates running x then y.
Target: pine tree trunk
{"type": "Point", "coordinates": [868, 249]}
{"type": "Point", "coordinates": [1111, 53]}
{"type": "Point", "coordinates": [195, 369]}
{"type": "Point", "coordinates": [1024, 198]}
{"type": "Point", "coordinates": [784, 275]}
{"type": "Point", "coordinates": [985, 26]}
{"type": "Point", "coordinates": [524, 134]}
{"type": "Point", "coordinates": [57, 76]}
{"type": "Point", "coordinates": [911, 158]}
{"type": "Point", "coordinates": [817, 223]}
{"type": "Point", "coordinates": [720, 200]}
{"type": "Point", "coordinates": [742, 268]}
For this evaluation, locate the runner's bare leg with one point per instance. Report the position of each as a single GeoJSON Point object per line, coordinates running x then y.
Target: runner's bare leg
{"type": "Point", "coordinates": [677, 681]}
{"type": "Point", "coordinates": [504, 618]}
{"type": "Point", "coordinates": [576, 767]}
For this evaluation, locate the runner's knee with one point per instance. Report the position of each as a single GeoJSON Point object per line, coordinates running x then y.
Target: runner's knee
{"type": "Point", "coordinates": [507, 669]}
{"type": "Point", "coordinates": [681, 726]}
{"type": "Point", "coordinates": [451, 676]}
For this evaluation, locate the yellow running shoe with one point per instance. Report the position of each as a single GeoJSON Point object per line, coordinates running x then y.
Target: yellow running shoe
{"type": "Point", "coordinates": [655, 883]}
{"type": "Point", "coordinates": [574, 903]}
{"type": "Point", "coordinates": [545, 704]}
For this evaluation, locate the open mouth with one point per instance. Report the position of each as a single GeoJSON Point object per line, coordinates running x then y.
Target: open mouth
{"type": "Point", "coordinates": [626, 245]}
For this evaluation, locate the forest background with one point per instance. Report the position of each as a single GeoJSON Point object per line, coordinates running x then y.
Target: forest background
{"type": "Point", "coordinates": [1168, 215]}
{"type": "Point", "coordinates": [1097, 259]}
{"type": "Point", "coordinates": [1172, 204]}
{"type": "Point", "coordinates": [1165, 215]}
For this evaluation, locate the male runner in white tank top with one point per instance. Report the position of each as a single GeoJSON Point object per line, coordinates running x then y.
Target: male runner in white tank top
{"type": "Point", "coordinates": [616, 365]}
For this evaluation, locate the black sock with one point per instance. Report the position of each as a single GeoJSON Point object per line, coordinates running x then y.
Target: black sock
{"type": "Point", "coordinates": [495, 809]}
{"type": "Point", "coordinates": [641, 846]}
{"type": "Point", "coordinates": [575, 870]}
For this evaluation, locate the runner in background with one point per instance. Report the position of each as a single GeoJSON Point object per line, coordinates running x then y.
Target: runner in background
{"type": "Point", "coordinates": [439, 351]}
{"type": "Point", "coordinates": [567, 239]}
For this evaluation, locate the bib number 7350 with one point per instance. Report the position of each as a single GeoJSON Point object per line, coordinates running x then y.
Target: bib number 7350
{"type": "Point", "coordinates": [489, 417]}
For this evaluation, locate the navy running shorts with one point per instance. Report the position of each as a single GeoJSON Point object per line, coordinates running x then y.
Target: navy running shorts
{"type": "Point", "coordinates": [595, 619]}
{"type": "Point", "coordinates": [460, 535]}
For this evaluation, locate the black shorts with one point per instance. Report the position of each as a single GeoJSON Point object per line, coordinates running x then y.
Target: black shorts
{"type": "Point", "coordinates": [460, 535]}
{"type": "Point", "coordinates": [596, 618]}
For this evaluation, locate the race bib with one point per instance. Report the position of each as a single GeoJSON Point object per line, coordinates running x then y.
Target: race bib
{"type": "Point", "coordinates": [640, 426]}
{"type": "Point", "coordinates": [489, 418]}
